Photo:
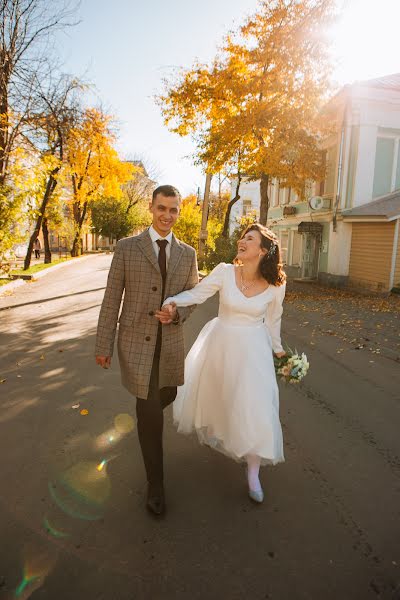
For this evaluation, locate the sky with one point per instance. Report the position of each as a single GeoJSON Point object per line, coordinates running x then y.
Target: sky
{"type": "Point", "coordinates": [126, 48]}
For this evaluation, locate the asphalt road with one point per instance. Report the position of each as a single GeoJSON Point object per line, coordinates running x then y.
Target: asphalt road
{"type": "Point", "coordinates": [74, 527]}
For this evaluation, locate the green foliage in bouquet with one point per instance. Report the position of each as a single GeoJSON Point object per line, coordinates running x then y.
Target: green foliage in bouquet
{"type": "Point", "coordinates": [292, 367]}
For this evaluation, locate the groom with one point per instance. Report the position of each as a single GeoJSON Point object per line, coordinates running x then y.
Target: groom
{"type": "Point", "coordinates": [149, 267]}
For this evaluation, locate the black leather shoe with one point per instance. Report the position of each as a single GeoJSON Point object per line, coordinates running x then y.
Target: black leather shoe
{"type": "Point", "coordinates": [155, 500]}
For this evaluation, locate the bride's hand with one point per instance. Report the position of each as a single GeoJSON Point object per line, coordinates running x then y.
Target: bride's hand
{"type": "Point", "coordinates": [279, 354]}
{"type": "Point", "coordinates": [167, 314]}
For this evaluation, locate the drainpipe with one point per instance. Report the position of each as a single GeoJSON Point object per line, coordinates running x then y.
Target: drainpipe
{"type": "Point", "coordinates": [392, 282]}
{"type": "Point", "coordinates": [340, 168]}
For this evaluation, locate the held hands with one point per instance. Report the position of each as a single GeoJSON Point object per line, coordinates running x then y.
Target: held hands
{"type": "Point", "coordinates": [167, 313]}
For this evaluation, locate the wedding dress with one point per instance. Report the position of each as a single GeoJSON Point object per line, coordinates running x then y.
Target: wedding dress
{"type": "Point", "coordinates": [230, 396]}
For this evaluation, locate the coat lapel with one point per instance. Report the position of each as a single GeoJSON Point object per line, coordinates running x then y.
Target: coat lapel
{"type": "Point", "coordinates": [174, 258]}
{"type": "Point", "coordinates": [146, 246]}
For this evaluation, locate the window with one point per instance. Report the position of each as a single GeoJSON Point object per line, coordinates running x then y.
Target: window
{"type": "Point", "coordinates": [329, 183]}
{"type": "Point", "coordinates": [387, 166]}
{"type": "Point", "coordinates": [296, 248]}
{"type": "Point", "coordinates": [284, 237]}
{"type": "Point", "coordinates": [292, 196]}
{"type": "Point", "coordinates": [275, 192]}
{"type": "Point", "coordinates": [283, 196]}
{"type": "Point", "coordinates": [246, 206]}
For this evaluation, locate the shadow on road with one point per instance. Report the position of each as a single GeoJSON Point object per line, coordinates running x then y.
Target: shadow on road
{"type": "Point", "coordinates": [43, 300]}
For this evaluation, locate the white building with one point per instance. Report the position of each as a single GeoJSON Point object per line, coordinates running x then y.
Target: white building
{"type": "Point", "coordinates": [345, 237]}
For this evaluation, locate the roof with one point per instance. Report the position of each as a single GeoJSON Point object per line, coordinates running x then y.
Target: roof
{"type": "Point", "coordinates": [386, 208]}
{"type": "Point", "coordinates": [389, 82]}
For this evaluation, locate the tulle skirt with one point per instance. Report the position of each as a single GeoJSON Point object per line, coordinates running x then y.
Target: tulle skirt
{"type": "Point", "coordinates": [230, 396]}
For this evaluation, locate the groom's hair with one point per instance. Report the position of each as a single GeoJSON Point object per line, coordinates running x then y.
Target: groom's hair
{"type": "Point", "coordinates": [166, 190]}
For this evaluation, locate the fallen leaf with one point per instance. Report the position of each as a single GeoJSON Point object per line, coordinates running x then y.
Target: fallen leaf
{"type": "Point", "coordinates": [42, 357]}
{"type": "Point", "coordinates": [75, 406]}
{"type": "Point", "coordinates": [84, 411]}
{"type": "Point", "coordinates": [3, 380]}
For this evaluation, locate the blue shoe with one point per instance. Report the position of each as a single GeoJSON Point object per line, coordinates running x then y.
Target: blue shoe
{"type": "Point", "coordinates": [256, 496]}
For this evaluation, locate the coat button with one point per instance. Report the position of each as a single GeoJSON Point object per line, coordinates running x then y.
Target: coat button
{"type": "Point", "coordinates": [154, 288]}
{"type": "Point", "coordinates": [151, 313]}
{"type": "Point", "coordinates": [147, 338]}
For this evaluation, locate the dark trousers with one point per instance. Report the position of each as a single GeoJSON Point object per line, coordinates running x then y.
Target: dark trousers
{"type": "Point", "coordinates": [37, 253]}
{"type": "Point", "coordinates": [150, 420]}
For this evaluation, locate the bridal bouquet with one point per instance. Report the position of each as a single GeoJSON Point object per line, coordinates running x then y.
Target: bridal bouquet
{"type": "Point", "coordinates": [292, 367]}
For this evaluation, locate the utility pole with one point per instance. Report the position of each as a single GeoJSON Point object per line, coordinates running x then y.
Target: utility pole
{"type": "Point", "coordinates": [203, 231]}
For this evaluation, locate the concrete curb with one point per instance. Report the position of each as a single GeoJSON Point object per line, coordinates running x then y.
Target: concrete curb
{"type": "Point", "coordinates": [18, 282]}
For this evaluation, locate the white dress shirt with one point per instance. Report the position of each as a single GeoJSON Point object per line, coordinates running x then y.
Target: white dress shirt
{"type": "Point", "coordinates": [156, 236]}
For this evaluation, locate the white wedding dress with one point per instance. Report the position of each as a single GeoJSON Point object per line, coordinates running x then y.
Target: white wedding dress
{"type": "Point", "coordinates": [230, 396]}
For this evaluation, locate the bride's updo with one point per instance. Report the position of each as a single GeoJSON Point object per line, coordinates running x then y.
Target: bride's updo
{"type": "Point", "coordinates": [271, 266]}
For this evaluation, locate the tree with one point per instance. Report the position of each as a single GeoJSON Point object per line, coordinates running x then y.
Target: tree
{"type": "Point", "coordinates": [140, 186]}
{"type": "Point", "coordinates": [95, 169]}
{"type": "Point", "coordinates": [187, 227]}
{"type": "Point", "coordinates": [25, 27]}
{"type": "Point", "coordinates": [257, 105]}
{"type": "Point", "coordinates": [54, 115]}
{"type": "Point", "coordinates": [217, 204]}
{"type": "Point", "coordinates": [112, 218]}
{"type": "Point", "coordinates": [10, 205]}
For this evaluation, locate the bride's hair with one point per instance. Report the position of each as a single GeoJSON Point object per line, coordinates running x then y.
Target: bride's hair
{"type": "Point", "coordinates": [271, 266]}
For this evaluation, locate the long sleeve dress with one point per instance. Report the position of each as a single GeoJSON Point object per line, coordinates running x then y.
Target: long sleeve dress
{"type": "Point", "coordinates": [230, 396]}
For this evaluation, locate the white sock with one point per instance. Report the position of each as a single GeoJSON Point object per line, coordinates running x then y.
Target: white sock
{"type": "Point", "coordinates": [253, 470]}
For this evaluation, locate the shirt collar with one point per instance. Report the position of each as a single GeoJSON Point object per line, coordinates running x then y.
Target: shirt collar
{"type": "Point", "coordinates": [156, 236]}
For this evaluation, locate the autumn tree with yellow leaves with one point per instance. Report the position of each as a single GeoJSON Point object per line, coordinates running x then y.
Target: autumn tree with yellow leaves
{"type": "Point", "coordinates": [187, 228]}
{"type": "Point", "coordinates": [55, 112]}
{"type": "Point", "coordinates": [94, 167]}
{"type": "Point", "coordinates": [257, 106]}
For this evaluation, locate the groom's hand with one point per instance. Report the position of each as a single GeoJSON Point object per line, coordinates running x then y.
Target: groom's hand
{"type": "Point", "coordinates": [167, 314]}
{"type": "Point", "coordinates": [103, 361]}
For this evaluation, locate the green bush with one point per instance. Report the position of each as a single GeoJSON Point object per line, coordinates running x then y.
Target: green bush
{"type": "Point", "coordinates": [225, 251]}
{"type": "Point", "coordinates": [226, 248]}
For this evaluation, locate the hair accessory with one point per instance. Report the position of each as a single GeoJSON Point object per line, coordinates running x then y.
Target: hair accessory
{"type": "Point", "coordinates": [272, 249]}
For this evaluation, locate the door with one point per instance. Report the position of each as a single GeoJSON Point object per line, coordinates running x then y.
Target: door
{"type": "Point", "coordinates": [310, 259]}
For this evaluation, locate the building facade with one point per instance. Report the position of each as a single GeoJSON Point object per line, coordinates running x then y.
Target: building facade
{"type": "Point", "coordinates": [325, 236]}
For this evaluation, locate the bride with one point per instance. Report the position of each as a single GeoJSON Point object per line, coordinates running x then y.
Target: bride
{"type": "Point", "coordinates": [230, 396]}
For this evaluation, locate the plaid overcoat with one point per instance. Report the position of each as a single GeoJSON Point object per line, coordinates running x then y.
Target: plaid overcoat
{"type": "Point", "coordinates": [135, 270]}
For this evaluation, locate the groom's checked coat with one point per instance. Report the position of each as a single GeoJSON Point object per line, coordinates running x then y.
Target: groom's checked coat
{"type": "Point", "coordinates": [135, 269]}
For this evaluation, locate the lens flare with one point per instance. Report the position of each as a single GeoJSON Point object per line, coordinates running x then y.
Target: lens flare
{"type": "Point", "coordinates": [82, 490]}
{"type": "Point", "coordinates": [124, 423]}
{"type": "Point", "coordinates": [37, 565]}
{"type": "Point", "coordinates": [101, 465]}
{"type": "Point", "coordinates": [57, 533]}
{"type": "Point", "coordinates": [107, 439]}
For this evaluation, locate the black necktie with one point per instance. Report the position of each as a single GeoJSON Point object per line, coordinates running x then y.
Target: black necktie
{"type": "Point", "coordinates": [162, 261]}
